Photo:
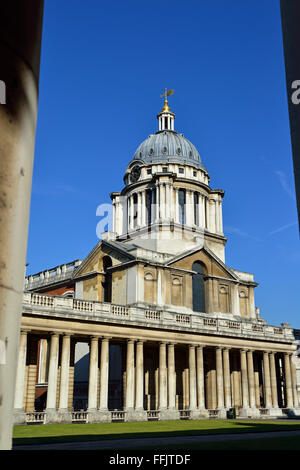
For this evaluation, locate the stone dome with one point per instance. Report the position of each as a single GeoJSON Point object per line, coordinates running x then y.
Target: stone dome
{"type": "Point", "coordinates": [168, 147]}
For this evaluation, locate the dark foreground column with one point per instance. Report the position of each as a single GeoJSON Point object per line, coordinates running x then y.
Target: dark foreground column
{"type": "Point", "coordinates": [20, 42]}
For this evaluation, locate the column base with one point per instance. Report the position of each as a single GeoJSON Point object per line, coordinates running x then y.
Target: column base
{"type": "Point", "coordinates": [64, 416]}
{"type": "Point", "coordinates": [245, 412]}
{"type": "Point", "coordinates": [222, 413]}
{"type": "Point", "coordinates": [19, 417]}
{"type": "Point", "coordinates": [51, 416]}
{"type": "Point", "coordinates": [168, 415]}
{"type": "Point", "coordinates": [135, 415]}
{"type": "Point", "coordinates": [254, 412]}
{"type": "Point", "coordinates": [199, 414]}
{"type": "Point", "coordinates": [98, 416]}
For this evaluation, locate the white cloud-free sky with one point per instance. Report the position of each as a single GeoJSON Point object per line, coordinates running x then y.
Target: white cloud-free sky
{"type": "Point", "coordinates": [103, 68]}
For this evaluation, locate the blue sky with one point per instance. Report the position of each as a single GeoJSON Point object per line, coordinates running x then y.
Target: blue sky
{"type": "Point", "coordinates": [103, 68]}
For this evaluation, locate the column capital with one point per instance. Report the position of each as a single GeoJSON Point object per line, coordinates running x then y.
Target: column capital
{"type": "Point", "coordinates": [55, 333]}
{"type": "Point", "coordinates": [24, 331]}
{"type": "Point", "coordinates": [95, 338]}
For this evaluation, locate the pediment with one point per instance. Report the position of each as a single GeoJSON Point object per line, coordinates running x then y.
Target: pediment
{"type": "Point", "coordinates": [213, 265]}
{"type": "Point", "coordinates": [94, 261]}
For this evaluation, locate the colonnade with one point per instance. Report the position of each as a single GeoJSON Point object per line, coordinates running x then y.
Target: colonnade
{"type": "Point", "coordinates": [199, 209]}
{"type": "Point", "coordinates": [217, 378]}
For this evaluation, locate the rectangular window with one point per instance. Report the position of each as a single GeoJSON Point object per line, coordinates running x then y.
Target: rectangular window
{"type": "Point", "coordinates": [165, 169]}
{"type": "Point", "coordinates": [149, 171]}
{"type": "Point", "coordinates": [196, 208]}
{"type": "Point", "coordinates": [181, 170]}
{"type": "Point", "coordinates": [181, 202]}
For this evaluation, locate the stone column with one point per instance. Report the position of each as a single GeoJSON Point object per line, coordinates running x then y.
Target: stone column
{"type": "Point", "coordinates": [294, 382]}
{"type": "Point", "coordinates": [52, 379]}
{"type": "Point", "coordinates": [139, 209]}
{"type": "Point", "coordinates": [129, 404]}
{"type": "Point", "coordinates": [211, 216]}
{"type": "Point", "coordinates": [167, 201]}
{"type": "Point", "coordinates": [157, 211]}
{"type": "Point", "coordinates": [221, 216]}
{"type": "Point", "coordinates": [176, 208]}
{"type": "Point", "coordinates": [104, 414]}
{"type": "Point", "coordinates": [227, 387]}
{"type": "Point", "coordinates": [162, 377]}
{"type": "Point", "coordinates": [200, 383]}
{"type": "Point", "coordinates": [43, 354]}
{"type": "Point", "coordinates": [140, 414]}
{"type": "Point", "coordinates": [20, 57]}
{"type": "Point", "coordinates": [192, 381]}
{"type": "Point", "coordinates": [267, 381]}
{"type": "Point", "coordinates": [93, 380]}
{"type": "Point", "coordinates": [288, 381]}
{"type": "Point", "coordinates": [189, 220]}
{"type": "Point", "coordinates": [245, 394]}
{"type": "Point", "coordinates": [19, 414]}
{"type": "Point", "coordinates": [251, 382]}
{"type": "Point", "coordinates": [144, 213]}
{"type": "Point", "coordinates": [171, 377]}
{"type": "Point", "coordinates": [220, 383]}
{"type": "Point", "coordinates": [65, 416]}
{"type": "Point", "coordinates": [273, 380]}
{"type": "Point", "coordinates": [131, 212]}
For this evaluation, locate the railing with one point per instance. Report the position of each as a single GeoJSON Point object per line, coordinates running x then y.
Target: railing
{"type": "Point", "coordinates": [153, 415]}
{"type": "Point", "coordinates": [210, 322]}
{"type": "Point", "coordinates": [118, 415]}
{"type": "Point", "coordinates": [44, 300]}
{"type": "Point", "coordinates": [183, 319]}
{"type": "Point", "coordinates": [196, 321]}
{"type": "Point", "coordinates": [120, 310]}
{"type": "Point", "coordinates": [35, 417]}
{"type": "Point", "coordinates": [82, 305]}
{"type": "Point", "coordinates": [185, 414]}
{"type": "Point", "coordinates": [257, 328]}
{"type": "Point", "coordinates": [213, 413]}
{"type": "Point", "coordinates": [79, 416]}
{"type": "Point", "coordinates": [152, 315]}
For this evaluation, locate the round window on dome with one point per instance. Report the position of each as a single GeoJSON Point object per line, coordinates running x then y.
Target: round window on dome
{"type": "Point", "coordinates": [191, 154]}
{"type": "Point", "coordinates": [151, 151]}
{"type": "Point", "coordinates": [178, 151]}
{"type": "Point", "coordinates": [165, 150]}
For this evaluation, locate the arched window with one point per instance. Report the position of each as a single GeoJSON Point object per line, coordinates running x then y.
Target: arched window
{"type": "Point", "coordinates": [107, 263]}
{"type": "Point", "coordinates": [198, 287]}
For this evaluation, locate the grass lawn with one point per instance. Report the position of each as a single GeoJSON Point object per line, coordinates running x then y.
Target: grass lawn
{"type": "Point", "coordinates": [37, 434]}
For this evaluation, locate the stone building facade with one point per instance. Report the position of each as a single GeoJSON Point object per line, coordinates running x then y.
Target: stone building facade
{"type": "Point", "coordinates": [172, 330]}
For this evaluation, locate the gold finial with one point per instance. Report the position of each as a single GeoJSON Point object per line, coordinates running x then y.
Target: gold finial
{"type": "Point", "coordinates": [165, 94]}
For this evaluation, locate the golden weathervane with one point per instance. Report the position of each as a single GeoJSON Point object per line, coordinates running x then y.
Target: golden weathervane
{"type": "Point", "coordinates": [165, 94]}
